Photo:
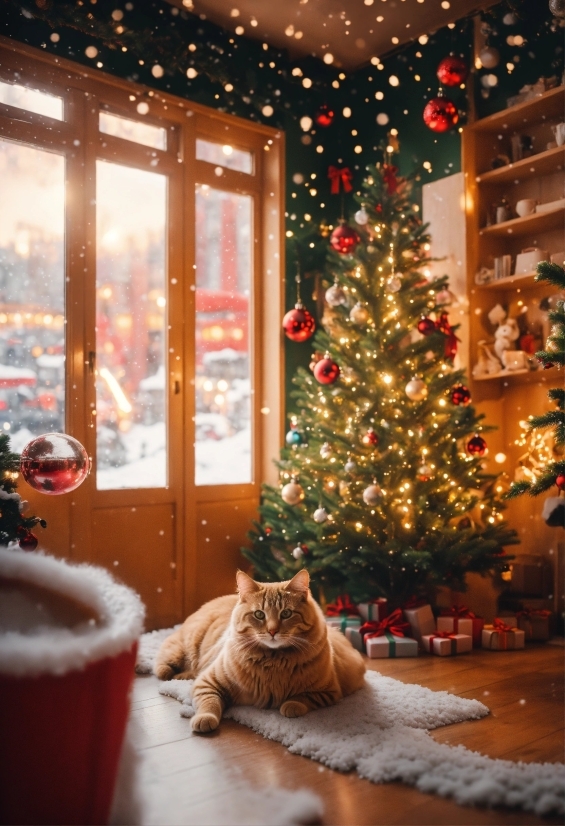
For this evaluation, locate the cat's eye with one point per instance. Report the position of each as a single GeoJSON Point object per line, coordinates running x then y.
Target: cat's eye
{"type": "Point", "coordinates": [286, 613]}
{"type": "Point", "coordinates": [259, 615]}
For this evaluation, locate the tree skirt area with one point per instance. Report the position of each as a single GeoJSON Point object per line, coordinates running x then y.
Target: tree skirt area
{"type": "Point", "coordinates": [381, 732]}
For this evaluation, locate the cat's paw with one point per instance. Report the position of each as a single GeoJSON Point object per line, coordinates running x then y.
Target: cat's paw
{"type": "Point", "coordinates": [164, 671]}
{"type": "Point", "coordinates": [293, 708]}
{"type": "Point", "coordinates": [204, 723]}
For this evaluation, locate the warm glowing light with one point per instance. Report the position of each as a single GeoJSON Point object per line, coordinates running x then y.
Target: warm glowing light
{"type": "Point", "coordinates": [123, 404]}
{"type": "Point", "coordinates": [500, 458]}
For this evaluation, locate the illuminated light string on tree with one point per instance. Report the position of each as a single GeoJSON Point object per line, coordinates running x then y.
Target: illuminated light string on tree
{"type": "Point", "coordinates": [382, 496]}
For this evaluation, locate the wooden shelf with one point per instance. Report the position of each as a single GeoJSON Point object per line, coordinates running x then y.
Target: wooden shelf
{"type": "Point", "coordinates": [523, 281]}
{"type": "Point", "coordinates": [537, 222]}
{"type": "Point", "coordinates": [523, 376]}
{"type": "Point", "coordinates": [545, 107]}
{"type": "Point", "coordinates": [541, 164]}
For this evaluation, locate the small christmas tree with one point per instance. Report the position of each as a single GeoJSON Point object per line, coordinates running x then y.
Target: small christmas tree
{"type": "Point", "coordinates": [14, 526]}
{"type": "Point", "coordinates": [553, 473]}
{"type": "Point", "coordinates": [382, 491]}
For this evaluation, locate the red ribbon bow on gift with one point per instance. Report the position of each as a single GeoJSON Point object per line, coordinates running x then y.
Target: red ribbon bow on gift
{"type": "Point", "coordinates": [389, 177]}
{"type": "Point", "coordinates": [445, 327]}
{"type": "Point", "coordinates": [444, 635]}
{"type": "Point", "coordinates": [342, 606]}
{"type": "Point", "coordinates": [499, 625]}
{"type": "Point", "coordinates": [542, 613]}
{"type": "Point", "coordinates": [414, 602]}
{"type": "Point", "coordinates": [460, 611]}
{"type": "Point", "coordinates": [394, 624]}
{"type": "Point", "coordinates": [341, 176]}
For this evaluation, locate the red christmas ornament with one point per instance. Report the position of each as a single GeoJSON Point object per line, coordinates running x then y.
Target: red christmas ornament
{"type": "Point", "coordinates": [460, 394]}
{"type": "Point", "coordinates": [389, 177]}
{"type": "Point", "coordinates": [560, 481]}
{"type": "Point", "coordinates": [326, 370]}
{"type": "Point", "coordinates": [426, 326]}
{"type": "Point", "coordinates": [324, 116]}
{"type": "Point", "coordinates": [28, 542]}
{"type": "Point", "coordinates": [370, 438]}
{"type": "Point", "coordinates": [476, 445]}
{"type": "Point", "coordinates": [54, 463]}
{"type": "Point", "coordinates": [344, 239]}
{"type": "Point", "coordinates": [299, 324]}
{"type": "Point", "coordinates": [452, 71]}
{"type": "Point", "coordinates": [450, 348]}
{"type": "Point", "coordinates": [440, 114]}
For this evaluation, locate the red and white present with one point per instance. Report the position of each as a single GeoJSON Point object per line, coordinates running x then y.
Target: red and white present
{"type": "Point", "coordinates": [537, 625]}
{"type": "Point", "coordinates": [420, 618]}
{"type": "Point", "coordinates": [502, 637]}
{"type": "Point", "coordinates": [384, 639]}
{"type": "Point", "coordinates": [375, 610]}
{"type": "Point", "coordinates": [343, 623]}
{"type": "Point", "coordinates": [447, 645]}
{"type": "Point", "coordinates": [458, 613]}
{"type": "Point", "coordinates": [342, 614]}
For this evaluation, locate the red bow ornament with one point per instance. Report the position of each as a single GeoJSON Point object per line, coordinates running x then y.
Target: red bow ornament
{"type": "Point", "coordinates": [394, 624]}
{"type": "Point", "coordinates": [389, 177]}
{"type": "Point", "coordinates": [451, 340]}
{"type": "Point", "coordinates": [339, 177]}
{"type": "Point", "coordinates": [342, 607]}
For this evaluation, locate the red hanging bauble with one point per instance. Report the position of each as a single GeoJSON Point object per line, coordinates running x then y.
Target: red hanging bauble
{"type": "Point", "coordinates": [476, 445]}
{"type": "Point", "coordinates": [460, 394]}
{"type": "Point", "coordinates": [440, 114]}
{"type": "Point", "coordinates": [426, 326]}
{"type": "Point", "coordinates": [560, 481]}
{"type": "Point", "coordinates": [28, 542]}
{"type": "Point", "coordinates": [54, 463]}
{"type": "Point", "coordinates": [452, 71]}
{"type": "Point", "coordinates": [326, 370]}
{"type": "Point", "coordinates": [370, 438]}
{"type": "Point", "coordinates": [324, 116]}
{"type": "Point", "coordinates": [344, 239]}
{"type": "Point", "coordinates": [299, 324]}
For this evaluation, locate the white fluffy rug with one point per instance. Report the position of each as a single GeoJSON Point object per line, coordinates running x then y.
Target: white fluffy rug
{"type": "Point", "coordinates": [381, 732]}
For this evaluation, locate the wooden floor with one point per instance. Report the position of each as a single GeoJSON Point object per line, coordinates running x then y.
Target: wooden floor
{"type": "Point", "coordinates": [523, 690]}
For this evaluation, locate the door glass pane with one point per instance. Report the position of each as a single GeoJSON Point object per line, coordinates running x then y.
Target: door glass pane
{"type": "Point", "coordinates": [223, 321]}
{"type": "Point", "coordinates": [133, 130]}
{"type": "Point", "coordinates": [131, 341]}
{"type": "Point", "coordinates": [41, 103]}
{"type": "Point", "coordinates": [224, 155]}
{"type": "Point", "coordinates": [32, 292]}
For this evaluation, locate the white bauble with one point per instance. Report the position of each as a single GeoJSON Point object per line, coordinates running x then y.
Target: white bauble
{"type": "Point", "coordinates": [489, 57]}
{"type": "Point", "coordinates": [416, 389]}
{"type": "Point", "coordinates": [326, 450]}
{"type": "Point", "coordinates": [350, 466]}
{"type": "Point", "coordinates": [372, 495]}
{"type": "Point", "coordinates": [361, 217]}
{"type": "Point", "coordinates": [424, 473]}
{"type": "Point", "coordinates": [320, 515]}
{"type": "Point", "coordinates": [298, 553]}
{"type": "Point", "coordinates": [359, 314]}
{"type": "Point", "coordinates": [394, 283]}
{"type": "Point", "coordinates": [335, 296]}
{"type": "Point", "coordinates": [293, 493]}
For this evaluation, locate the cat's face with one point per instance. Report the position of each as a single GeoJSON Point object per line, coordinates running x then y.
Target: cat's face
{"type": "Point", "coordinates": [279, 615]}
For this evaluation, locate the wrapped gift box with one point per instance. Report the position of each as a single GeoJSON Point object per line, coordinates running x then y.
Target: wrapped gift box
{"type": "Point", "coordinates": [421, 620]}
{"type": "Point", "coordinates": [502, 637]}
{"type": "Point", "coordinates": [391, 646]}
{"type": "Point", "coordinates": [343, 623]}
{"type": "Point", "coordinates": [537, 625]}
{"type": "Point", "coordinates": [447, 645]}
{"type": "Point", "coordinates": [374, 610]}
{"type": "Point", "coordinates": [457, 613]}
{"type": "Point", "coordinates": [455, 625]}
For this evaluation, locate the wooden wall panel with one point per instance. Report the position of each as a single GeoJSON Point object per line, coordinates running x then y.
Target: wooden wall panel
{"type": "Point", "coordinates": [150, 564]}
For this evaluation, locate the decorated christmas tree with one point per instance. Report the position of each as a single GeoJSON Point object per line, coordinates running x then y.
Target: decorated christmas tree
{"type": "Point", "coordinates": [544, 477]}
{"type": "Point", "coordinates": [382, 488]}
{"type": "Point", "coordinates": [14, 526]}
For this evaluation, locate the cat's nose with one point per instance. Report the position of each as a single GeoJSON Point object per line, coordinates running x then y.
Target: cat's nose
{"type": "Point", "coordinates": [271, 632]}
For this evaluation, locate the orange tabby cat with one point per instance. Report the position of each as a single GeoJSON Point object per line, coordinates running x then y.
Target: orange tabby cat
{"type": "Point", "coordinates": [269, 647]}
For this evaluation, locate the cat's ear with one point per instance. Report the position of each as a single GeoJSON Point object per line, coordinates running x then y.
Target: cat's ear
{"type": "Point", "coordinates": [246, 585]}
{"type": "Point", "coordinates": [299, 583]}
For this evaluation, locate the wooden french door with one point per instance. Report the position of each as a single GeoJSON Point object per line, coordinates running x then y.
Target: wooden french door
{"type": "Point", "coordinates": [142, 330]}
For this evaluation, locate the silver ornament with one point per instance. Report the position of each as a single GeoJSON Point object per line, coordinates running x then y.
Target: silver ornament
{"type": "Point", "coordinates": [359, 314]}
{"type": "Point", "coordinates": [489, 57]}
{"type": "Point", "coordinates": [326, 450]}
{"type": "Point", "coordinates": [320, 515]}
{"type": "Point", "coordinates": [361, 217]}
{"type": "Point", "coordinates": [416, 389]}
{"type": "Point", "coordinates": [557, 7]}
{"type": "Point", "coordinates": [298, 553]}
{"type": "Point", "coordinates": [372, 495]}
{"type": "Point", "coordinates": [424, 473]}
{"type": "Point", "coordinates": [293, 493]}
{"type": "Point", "coordinates": [350, 466]}
{"type": "Point", "coordinates": [393, 283]}
{"type": "Point", "coordinates": [335, 296]}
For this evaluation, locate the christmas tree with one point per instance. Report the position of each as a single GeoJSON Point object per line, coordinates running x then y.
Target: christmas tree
{"type": "Point", "coordinates": [14, 526]}
{"type": "Point", "coordinates": [553, 473]}
{"type": "Point", "coordinates": [382, 490]}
